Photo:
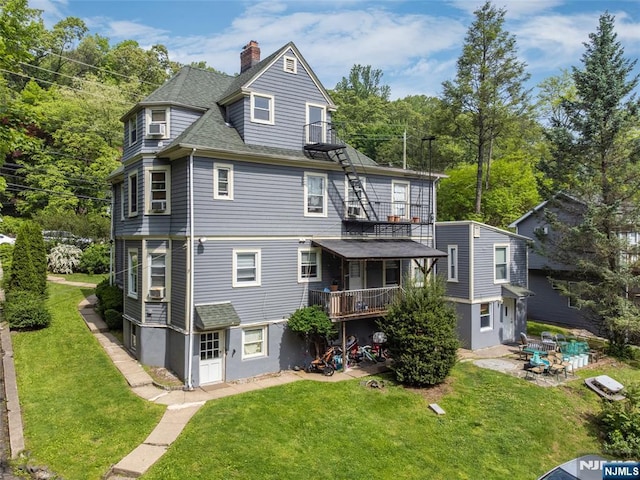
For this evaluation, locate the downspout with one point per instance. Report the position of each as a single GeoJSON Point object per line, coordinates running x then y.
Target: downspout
{"type": "Point", "coordinates": [112, 235]}
{"type": "Point", "coordinates": [189, 380]}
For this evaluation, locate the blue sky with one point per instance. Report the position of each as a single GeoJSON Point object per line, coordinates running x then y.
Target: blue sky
{"type": "Point", "coordinates": [415, 43]}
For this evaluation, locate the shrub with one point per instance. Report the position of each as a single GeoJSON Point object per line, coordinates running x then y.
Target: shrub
{"type": "Point", "coordinates": [64, 258]}
{"type": "Point", "coordinates": [113, 319]}
{"type": "Point", "coordinates": [313, 325]}
{"type": "Point", "coordinates": [95, 259]}
{"type": "Point", "coordinates": [26, 310]}
{"type": "Point", "coordinates": [421, 334]}
{"type": "Point", "coordinates": [6, 256]}
{"type": "Point", "coordinates": [109, 298]}
{"type": "Point", "coordinates": [621, 425]}
{"type": "Point", "coordinates": [29, 261]}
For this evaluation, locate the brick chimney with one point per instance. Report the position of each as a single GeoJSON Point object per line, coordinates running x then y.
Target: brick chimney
{"type": "Point", "coordinates": [249, 56]}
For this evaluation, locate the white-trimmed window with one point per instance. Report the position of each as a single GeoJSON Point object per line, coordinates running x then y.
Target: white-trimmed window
{"type": "Point", "coordinates": [157, 121]}
{"type": "Point", "coordinates": [391, 273]}
{"type": "Point", "coordinates": [246, 268]}
{"type": "Point", "coordinates": [254, 342]}
{"type": "Point", "coordinates": [290, 64]}
{"type": "Point", "coordinates": [353, 207]}
{"type": "Point", "coordinates": [400, 199]}
{"type": "Point", "coordinates": [501, 262]}
{"type": "Point", "coordinates": [133, 194]}
{"type": "Point", "coordinates": [133, 129]}
{"type": "Point", "coordinates": [157, 275]}
{"type": "Point", "coordinates": [486, 320]}
{"type": "Point", "coordinates": [452, 263]}
{"type": "Point", "coordinates": [262, 108]}
{"type": "Point", "coordinates": [309, 265]}
{"type": "Point", "coordinates": [316, 123]}
{"type": "Point", "coordinates": [158, 188]}
{"type": "Point", "coordinates": [132, 272]}
{"type": "Point", "coordinates": [223, 181]}
{"type": "Point", "coordinates": [315, 194]}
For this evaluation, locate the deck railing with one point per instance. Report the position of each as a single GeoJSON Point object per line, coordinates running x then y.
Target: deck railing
{"type": "Point", "coordinates": [390, 212]}
{"type": "Point", "coordinates": [366, 302]}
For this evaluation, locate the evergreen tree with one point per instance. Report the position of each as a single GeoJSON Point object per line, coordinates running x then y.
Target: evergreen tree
{"type": "Point", "coordinates": [487, 95]}
{"type": "Point", "coordinates": [595, 158]}
{"type": "Point", "coordinates": [421, 334]}
{"type": "Point", "coordinates": [29, 263]}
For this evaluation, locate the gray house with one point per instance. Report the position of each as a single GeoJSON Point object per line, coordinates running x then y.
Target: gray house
{"type": "Point", "coordinates": [236, 204]}
{"type": "Point", "coordinates": [486, 278]}
{"type": "Point", "coordinates": [549, 305]}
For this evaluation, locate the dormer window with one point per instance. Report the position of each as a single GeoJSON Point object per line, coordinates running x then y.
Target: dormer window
{"type": "Point", "coordinates": [262, 108]}
{"type": "Point", "coordinates": [158, 122]}
{"type": "Point", "coordinates": [291, 65]}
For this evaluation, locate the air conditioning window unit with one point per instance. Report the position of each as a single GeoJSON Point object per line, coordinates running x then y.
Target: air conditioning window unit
{"type": "Point", "coordinates": [353, 211]}
{"type": "Point", "coordinates": [158, 205]}
{"type": "Point", "coordinates": [157, 128]}
{"type": "Point", "coordinates": [157, 293]}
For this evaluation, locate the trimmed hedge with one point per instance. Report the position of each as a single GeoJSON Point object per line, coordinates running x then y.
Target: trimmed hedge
{"type": "Point", "coordinates": [26, 310]}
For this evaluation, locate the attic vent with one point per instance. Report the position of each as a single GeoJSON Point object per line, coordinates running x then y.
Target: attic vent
{"type": "Point", "coordinates": [290, 65]}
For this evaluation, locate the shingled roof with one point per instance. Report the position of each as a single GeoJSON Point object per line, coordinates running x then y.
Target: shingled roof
{"type": "Point", "coordinates": [205, 90]}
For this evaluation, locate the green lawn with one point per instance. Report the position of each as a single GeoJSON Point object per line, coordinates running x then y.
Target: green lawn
{"type": "Point", "coordinates": [79, 415]}
{"type": "Point", "coordinates": [81, 277]}
{"type": "Point", "coordinates": [495, 427]}
{"type": "Point", "coordinates": [80, 418]}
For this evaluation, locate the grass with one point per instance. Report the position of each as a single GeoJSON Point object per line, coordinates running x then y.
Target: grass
{"type": "Point", "coordinates": [80, 418]}
{"type": "Point", "coordinates": [496, 426]}
{"type": "Point", "coordinates": [81, 277]}
{"type": "Point", "coordinates": [79, 415]}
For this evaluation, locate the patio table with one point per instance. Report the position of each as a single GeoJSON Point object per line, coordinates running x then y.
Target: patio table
{"type": "Point", "coordinates": [526, 352]}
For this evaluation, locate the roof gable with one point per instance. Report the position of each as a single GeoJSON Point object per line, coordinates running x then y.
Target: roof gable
{"type": "Point", "coordinates": [245, 80]}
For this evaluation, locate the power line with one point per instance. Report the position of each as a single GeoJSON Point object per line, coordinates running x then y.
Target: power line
{"type": "Point", "coordinates": [32, 77]}
{"type": "Point", "coordinates": [69, 76]}
{"type": "Point", "coordinates": [15, 167]}
{"type": "Point", "coordinates": [49, 52]}
{"type": "Point", "coordinates": [14, 187]}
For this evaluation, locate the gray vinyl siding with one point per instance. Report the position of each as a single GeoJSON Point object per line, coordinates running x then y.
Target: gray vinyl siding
{"type": "Point", "coordinates": [270, 198]}
{"type": "Point", "coordinates": [455, 235]}
{"type": "Point", "coordinates": [129, 150]}
{"type": "Point", "coordinates": [119, 263]}
{"type": "Point", "coordinates": [291, 93]}
{"type": "Point", "coordinates": [277, 297]}
{"type": "Point", "coordinates": [235, 116]}
{"type": "Point", "coordinates": [548, 306]}
{"type": "Point", "coordinates": [484, 282]}
{"type": "Point", "coordinates": [179, 282]}
{"type": "Point", "coordinates": [464, 326]}
{"type": "Point", "coordinates": [179, 120]}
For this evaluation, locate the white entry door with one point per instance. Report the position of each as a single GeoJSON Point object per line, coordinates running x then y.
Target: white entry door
{"type": "Point", "coordinates": [508, 319]}
{"type": "Point", "coordinates": [356, 276]}
{"type": "Point", "coordinates": [211, 357]}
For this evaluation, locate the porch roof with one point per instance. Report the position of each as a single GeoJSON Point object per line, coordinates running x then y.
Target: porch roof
{"type": "Point", "coordinates": [514, 291]}
{"type": "Point", "coordinates": [216, 315]}
{"type": "Point", "coordinates": [378, 248]}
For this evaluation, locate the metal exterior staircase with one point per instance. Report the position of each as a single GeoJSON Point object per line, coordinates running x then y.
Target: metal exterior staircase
{"type": "Point", "coordinates": [342, 157]}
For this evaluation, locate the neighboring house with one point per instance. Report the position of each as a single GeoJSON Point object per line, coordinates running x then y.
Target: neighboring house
{"type": "Point", "coordinates": [237, 204]}
{"type": "Point", "coordinates": [486, 277]}
{"type": "Point", "coordinates": [549, 306]}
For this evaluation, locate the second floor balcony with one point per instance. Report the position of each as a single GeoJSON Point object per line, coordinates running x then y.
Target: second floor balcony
{"type": "Point", "coordinates": [352, 304]}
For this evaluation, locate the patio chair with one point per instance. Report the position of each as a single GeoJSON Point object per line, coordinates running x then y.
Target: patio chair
{"type": "Point", "coordinates": [557, 365]}
{"type": "Point", "coordinates": [560, 337]}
